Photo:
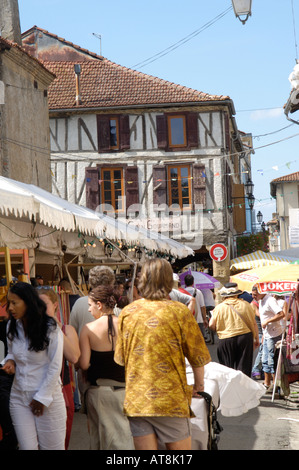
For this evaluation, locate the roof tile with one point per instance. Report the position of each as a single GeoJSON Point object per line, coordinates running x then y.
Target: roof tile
{"type": "Point", "coordinates": [106, 84]}
{"type": "Point", "coordinates": [288, 178]}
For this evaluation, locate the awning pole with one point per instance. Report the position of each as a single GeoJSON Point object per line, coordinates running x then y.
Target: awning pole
{"type": "Point", "coordinates": [7, 265]}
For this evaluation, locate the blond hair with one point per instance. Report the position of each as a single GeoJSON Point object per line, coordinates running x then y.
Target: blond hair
{"type": "Point", "coordinates": [49, 293]}
{"type": "Point", "coordinates": [156, 279]}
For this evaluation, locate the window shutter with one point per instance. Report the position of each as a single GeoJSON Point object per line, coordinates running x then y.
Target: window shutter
{"type": "Point", "coordinates": [162, 140]}
{"type": "Point", "coordinates": [124, 132]}
{"type": "Point", "coordinates": [159, 186]}
{"type": "Point", "coordinates": [192, 130]}
{"type": "Point", "coordinates": [227, 132]}
{"type": "Point", "coordinates": [229, 190]}
{"type": "Point", "coordinates": [239, 209]}
{"type": "Point", "coordinates": [103, 125]}
{"type": "Point", "coordinates": [132, 186]}
{"type": "Point", "coordinates": [92, 187]}
{"type": "Point", "coordinates": [199, 184]}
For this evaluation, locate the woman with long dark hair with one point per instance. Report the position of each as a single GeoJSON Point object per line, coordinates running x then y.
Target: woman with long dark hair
{"type": "Point", "coordinates": [71, 354]}
{"type": "Point", "coordinates": [35, 351]}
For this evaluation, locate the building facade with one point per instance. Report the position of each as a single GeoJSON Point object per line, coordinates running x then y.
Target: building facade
{"type": "Point", "coordinates": [286, 192]}
{"type": "Point", "coordinates": [164, 156]}
{"type": "Point", "coordinates": [24, 112]}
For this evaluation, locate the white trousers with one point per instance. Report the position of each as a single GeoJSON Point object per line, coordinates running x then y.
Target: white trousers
{"type": "Point", "coordinates": [46, 432]}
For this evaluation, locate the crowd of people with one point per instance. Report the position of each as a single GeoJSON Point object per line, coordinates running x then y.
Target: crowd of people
{"type": "Point", "coordinates": [129, 358]}
{"type": "Point", "coordinates": [129, 354]}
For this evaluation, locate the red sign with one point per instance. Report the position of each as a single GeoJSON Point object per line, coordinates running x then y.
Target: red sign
{"type": "Point", "coordinates": [218, 252]}
{"type": "Point", "coordinates": [277, 287]}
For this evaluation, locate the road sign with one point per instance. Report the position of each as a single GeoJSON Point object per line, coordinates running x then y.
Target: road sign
{"type": "Point", "coordinates": [218, 252]}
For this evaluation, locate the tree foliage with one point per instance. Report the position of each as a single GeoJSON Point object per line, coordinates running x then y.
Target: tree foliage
{"type": "Point", "coordinates": [253, 242]}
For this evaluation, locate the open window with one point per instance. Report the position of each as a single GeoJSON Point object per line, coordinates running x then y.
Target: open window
{"type": "Point", "coordinates": [113, 132]}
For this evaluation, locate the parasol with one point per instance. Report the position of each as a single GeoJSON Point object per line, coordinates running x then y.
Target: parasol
{"type": "Point", "coordinates": [279, 280]}
{"type": "Point", "coordinates": [201, 280]}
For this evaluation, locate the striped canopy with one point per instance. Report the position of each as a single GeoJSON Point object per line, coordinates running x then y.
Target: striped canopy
{"type": "Point", "coordinates": [258, 259]}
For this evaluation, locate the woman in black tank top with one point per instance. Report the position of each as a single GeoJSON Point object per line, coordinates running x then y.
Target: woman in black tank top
{"type": "Point", "coordinates": [109, 428]}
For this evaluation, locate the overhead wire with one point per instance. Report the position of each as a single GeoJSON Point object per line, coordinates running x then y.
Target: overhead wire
{"type": "Point", "coordinates": [182, 41]}
{"type": "Point", "coordinates": [294, 29]}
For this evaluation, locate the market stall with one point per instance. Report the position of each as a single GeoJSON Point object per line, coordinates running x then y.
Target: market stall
{"type": "Point", "coordinates": [34, 219]}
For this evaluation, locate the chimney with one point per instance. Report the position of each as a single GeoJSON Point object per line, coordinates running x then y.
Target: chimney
{"type": "Point", "coordinates": [10, 21]}
{"type": "Point", "coordinates": [77, 68]}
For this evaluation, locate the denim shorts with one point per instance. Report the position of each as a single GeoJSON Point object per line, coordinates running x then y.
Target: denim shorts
{"type": "Point", "coordinates": [166, 428]}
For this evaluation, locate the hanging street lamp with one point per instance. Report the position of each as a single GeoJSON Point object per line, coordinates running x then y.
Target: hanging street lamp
{"type": "Point", "coordinates": [259, 217]}
{"type": "Point", "coordinates": [242, 8]}
{"type": "Point", "coordinates": [249, 187]}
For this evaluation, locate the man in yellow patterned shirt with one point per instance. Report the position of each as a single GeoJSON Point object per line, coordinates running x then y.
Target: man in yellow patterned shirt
{"type": "Point", "coordinates": [156, 334]}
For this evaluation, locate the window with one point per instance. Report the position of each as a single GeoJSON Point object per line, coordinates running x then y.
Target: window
{"type": "Point", "coordinates": [114, 133]}
{"type": "Point", "coordinates": [179, 185]}
{"type": "Point", "coordinates": [112, 186]}
{"type": "Point", "coordinates": [177, 131]}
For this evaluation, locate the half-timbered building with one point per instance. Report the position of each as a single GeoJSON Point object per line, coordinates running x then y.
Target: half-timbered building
{"type": "Point", "coordinates": [164, 156]}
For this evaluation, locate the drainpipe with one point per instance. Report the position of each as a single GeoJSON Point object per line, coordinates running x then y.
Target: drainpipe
{"type": "Point", "coordinates": [77, 68]}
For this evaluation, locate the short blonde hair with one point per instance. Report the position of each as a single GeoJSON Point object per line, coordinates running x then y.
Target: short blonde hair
{"type": "Point", "coordinates": [156, 279]}
{"type": "Point", "coordinates": [49, 293]}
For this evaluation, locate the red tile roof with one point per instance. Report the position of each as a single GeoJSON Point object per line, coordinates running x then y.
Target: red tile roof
{"type": "Point", "coordinates": [107, 85]}
{"type": "Point", "coordinates": [288, 178]}
{"type": "Point", "coordinates": [292, 177]}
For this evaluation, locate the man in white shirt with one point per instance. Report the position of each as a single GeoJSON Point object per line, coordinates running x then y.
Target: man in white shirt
{"type": "Point", "coordinates": [200, 309]}
{"type": "Point", "coordinates": [177, 295]}
{"type": "Point", "coordinates": [271, 315]}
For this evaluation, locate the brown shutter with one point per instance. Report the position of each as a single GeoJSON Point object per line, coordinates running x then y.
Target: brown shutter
{"type": "Point", "coordinates": [92, 187]}
{"type": "Point", "coordinates": [162, 140]}
{"type": "Point", "coordinates": [124, 132]}
{"type": "Point", "coordinates": [229, 190]}
{"type": "Point", "coordinates": [103, 125]}
{"type": "Point", "coordinates": [192, 130]}
{"type": "Point", "coordinates": [239, 209]}
{"type": "Point", "coordinates": [227, 132]}
{"type": "Point", "coordinates": [199, 184]}
{"type": "Point", "coordinates": [132, 186]}
{"type": "Point", "coordinates": [159, 185]}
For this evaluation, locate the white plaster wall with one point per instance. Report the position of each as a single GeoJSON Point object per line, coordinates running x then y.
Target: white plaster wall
{"type": "Point", "coordinates": [69, 177]}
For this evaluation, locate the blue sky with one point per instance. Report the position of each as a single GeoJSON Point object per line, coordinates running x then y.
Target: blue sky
{"type": "Point", "coordinates": [206, 48]}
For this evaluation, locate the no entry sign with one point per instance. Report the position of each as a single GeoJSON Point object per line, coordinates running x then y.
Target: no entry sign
{"type": "Point", "coordinates": [218, 252]}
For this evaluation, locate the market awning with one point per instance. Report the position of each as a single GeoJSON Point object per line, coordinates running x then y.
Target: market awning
{"type": "Point", "coordinates": [258, 259]}
{"type": "Point", "coordinates": [31, 216]}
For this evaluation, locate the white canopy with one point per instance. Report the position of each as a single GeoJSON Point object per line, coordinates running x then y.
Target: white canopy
{"type": "Point", "coordinates": [33, 217]}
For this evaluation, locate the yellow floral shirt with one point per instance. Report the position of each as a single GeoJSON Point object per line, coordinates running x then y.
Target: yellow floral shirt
{"type": "Point", "coordinates": [154, 339]}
